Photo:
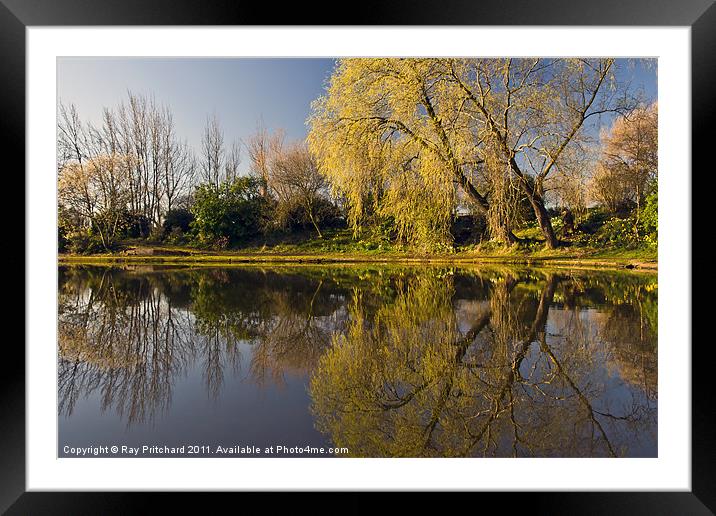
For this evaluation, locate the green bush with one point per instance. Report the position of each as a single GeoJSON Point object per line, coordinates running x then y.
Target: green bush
{"type": "Point", "coordinates": [594, 219]}
{"type": "Point", "coordinates": [135, 225]}
{"type": "Point", "coordinates": [230, 212]}
{"type": "Point", "coordinates": [64, 228]}
{"type": "Point", "coordinates": [177, 218]}
{"type": "Point", "coordinates": [157, 234]}
{"type": "Point", "coordinates": [616, 232]}
{"type": "Point", "coordinates": [649, 220]}
{"type": "Point", "coordinates": [62, 240]}
{"type": "Point", "coordinates": [81, 241]}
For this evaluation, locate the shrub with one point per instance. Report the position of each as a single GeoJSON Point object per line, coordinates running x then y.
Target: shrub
{"type": "Point", "coordinates": [178, 218]}
{"type": "Point", "coordinates": [220, 243]}
{"type": "Point", "coordinates": [616, 232]}
{"type": "Point", "coordinates": [82, 241]}
{"type": "Point", "coordinates": [649, 220]}
{"type": "Point", "coordinates": [595, 219]}
{"type": "Point", "coordinates": [329, 215]}
{"type": "Point", "coordinates": [157, 234]}
{"type": "Point", "coordinates": [135, 225]}
{"type": "Point", "coordinates": [232, 209]}
{"type": "Point", "coordinates": [62, 240]}
{"type": "Point", "coordinates": [64, 228]}
{"type": "Point", "coordinates": [635, 229]}
{"type": "Point", "coordinates": [468, 229]}
{"type": "Point", "coordinates": [175, 236]}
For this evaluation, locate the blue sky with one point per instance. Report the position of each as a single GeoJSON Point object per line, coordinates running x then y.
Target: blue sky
{"type": "Point", "coordinates": [241, 91]}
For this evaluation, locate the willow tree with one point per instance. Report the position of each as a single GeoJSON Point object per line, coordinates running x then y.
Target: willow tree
{"type": "Point", "coordinates": [391, 132]}
{"type": "Point", "coordinates": [535, 110]}
{"type": "Point", "coordinates": [432, 127]}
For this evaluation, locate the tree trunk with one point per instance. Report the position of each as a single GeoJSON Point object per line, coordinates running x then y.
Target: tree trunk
{"type": "Point", "coordinates": [102, 238]}
{"type": "Point", "coordinates": [481, 202]}
{"type": "Point", "coordinates": [313, 221]}
{"type": "Point", "coordinates": [535, 196]}
{"type": "Point", "coordinates": [544, 221]}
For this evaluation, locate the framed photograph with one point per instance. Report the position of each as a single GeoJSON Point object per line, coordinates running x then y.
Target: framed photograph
{"type": "Point", "coordinates": [444, 248]}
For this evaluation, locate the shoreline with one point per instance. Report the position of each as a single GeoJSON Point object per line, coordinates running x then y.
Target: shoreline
{"type": "Point", "coordinates": [329, 259]}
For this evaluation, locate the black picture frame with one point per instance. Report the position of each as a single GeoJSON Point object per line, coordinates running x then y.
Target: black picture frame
{"type": "Point", "coordinates": [700, 15]}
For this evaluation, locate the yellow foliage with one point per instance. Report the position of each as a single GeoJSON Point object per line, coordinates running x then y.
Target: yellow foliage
{"type": "Point", "coordinates": [377, 137]}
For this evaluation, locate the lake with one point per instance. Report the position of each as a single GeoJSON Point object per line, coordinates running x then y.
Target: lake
{"type": "Point", "coordinates": [379, 360]}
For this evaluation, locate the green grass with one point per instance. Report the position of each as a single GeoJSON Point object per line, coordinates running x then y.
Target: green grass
{"type": "Point", "coordinates": [338, 241]}
{"type": "Point", "coordinates": [339, 246]}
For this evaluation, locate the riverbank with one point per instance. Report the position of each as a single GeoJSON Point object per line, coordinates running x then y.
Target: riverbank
{"type": "Point", "coordinates": [565, 257]}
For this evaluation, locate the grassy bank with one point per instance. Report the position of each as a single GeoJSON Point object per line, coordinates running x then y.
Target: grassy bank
{"type": "Point", "coordinates": [340, 247]}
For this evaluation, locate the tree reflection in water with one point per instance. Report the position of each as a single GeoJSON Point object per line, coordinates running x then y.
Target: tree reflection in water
{"type": "Point", "coordinates": [530, 375]}
{"type": "Point", "coordinates": [130, 334]}
{"type": "Point", "coordinates": [402, 362]}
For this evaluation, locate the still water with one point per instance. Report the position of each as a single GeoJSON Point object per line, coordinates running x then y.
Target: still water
{"type": "Point", "coordinates": [383, 361]}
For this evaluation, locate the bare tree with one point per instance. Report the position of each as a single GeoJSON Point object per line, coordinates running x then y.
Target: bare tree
{"type": "Point", "coordinates": [136, 143]}
{"type": "Point", "coordinates": [180, 172]}
{"type": "Point", "coordinates": [212, 146]}
{"type": "Point", "coordinates": [96, 193]}
{"type": "Point", "coordinates": [297, 182]}
{"type": "Point", "coordinates": [233, 160]}
{"type": "Point", "coordinates": [263, 148]}
{"type": "Point", "coordinates": [629, 159]}
{"type": "Point", "coordinates": [72, 136]}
